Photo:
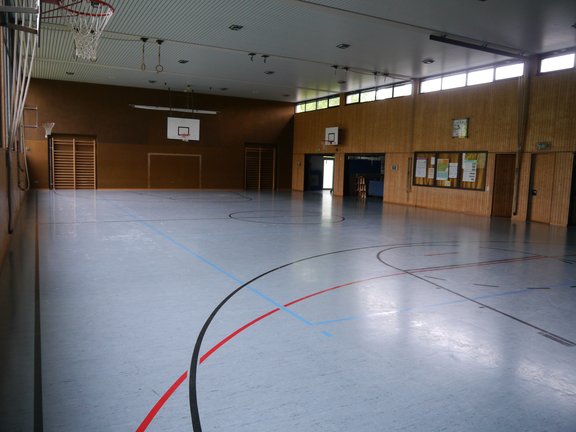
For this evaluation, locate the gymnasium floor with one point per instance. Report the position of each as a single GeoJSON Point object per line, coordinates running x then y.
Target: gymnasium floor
{"type": "Point", "coordinates": [299, 312]}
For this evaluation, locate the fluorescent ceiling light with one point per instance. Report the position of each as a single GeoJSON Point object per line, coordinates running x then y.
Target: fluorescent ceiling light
{"type": "Point", "coordinates": [182, 110]}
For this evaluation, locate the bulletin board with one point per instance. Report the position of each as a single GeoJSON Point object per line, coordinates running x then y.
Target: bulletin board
{"type": "Point", "coordinates": [452, 170]}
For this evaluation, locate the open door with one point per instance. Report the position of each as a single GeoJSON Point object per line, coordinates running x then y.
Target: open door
{"type": "Point", "coordinates": [318, 172]}
{"type": "Point", "coordinates": [366, 169]}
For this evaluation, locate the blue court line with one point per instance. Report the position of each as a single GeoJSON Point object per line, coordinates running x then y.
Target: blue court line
{"type": "Point", "coordinates": [416, 308]}
{"type": "Point", "coordinates": [209, 263]}
{"type": "Point", "coordinates": [280, 306]}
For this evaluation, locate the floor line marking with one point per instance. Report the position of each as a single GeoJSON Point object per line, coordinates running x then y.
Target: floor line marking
{"type": "Point", "coordinates": [246, 326]}
{"type": "Point", "coordinates": [158, 406]}
{"type": "Point", "coordinates": [209, 263]}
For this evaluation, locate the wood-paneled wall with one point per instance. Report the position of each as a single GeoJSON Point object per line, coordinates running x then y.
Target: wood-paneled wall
{"type": "Point", "coordinates": [125, 135]}
{"type": "Point", "coordinates": [399, 127]}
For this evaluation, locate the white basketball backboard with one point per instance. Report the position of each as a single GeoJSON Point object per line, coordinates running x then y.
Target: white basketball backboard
{"type": "Point", "coordinates": [179, 127]}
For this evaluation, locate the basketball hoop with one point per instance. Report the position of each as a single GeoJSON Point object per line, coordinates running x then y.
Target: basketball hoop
{"type": "Point", "coordinates": [184, 137]}
{"type": "Point", "coordinates": [328, 142]}
{"type": "Point", "coordinates": [87, 19]}
{"type": "Point", "coordinates": [48, 128]}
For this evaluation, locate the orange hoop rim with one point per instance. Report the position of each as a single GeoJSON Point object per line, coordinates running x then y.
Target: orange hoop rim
{"type": "Point", "coordinates": [68, 8]}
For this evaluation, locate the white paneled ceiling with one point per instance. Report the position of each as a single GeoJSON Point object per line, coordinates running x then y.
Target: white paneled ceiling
{"type": "Point", "coordinates": [388, 40]}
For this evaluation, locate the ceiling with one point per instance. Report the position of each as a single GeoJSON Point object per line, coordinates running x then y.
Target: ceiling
{"type": "Point", "coordinates": [388, 39]}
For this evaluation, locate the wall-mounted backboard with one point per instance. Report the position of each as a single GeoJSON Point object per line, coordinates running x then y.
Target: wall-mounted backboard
{"type": "Point", "coordinates": [186, 129]}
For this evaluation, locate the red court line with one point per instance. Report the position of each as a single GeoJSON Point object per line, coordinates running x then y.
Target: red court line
{"type": "Point", "coordinates": [144, 425]}
{"type": "Point", "coordinates": [146, 422]}
{"type": "Point", "coordinates": [235, 333]}
{"type": "Point", "coordinates": [273, 311]}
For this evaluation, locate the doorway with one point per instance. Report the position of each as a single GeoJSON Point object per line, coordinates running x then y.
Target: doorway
{"type": "Point", "coordinates": [365, 171]}
{"type": "Point", "coordinates": [503, 189]}
{"type": "Point", "coordinates": [541, 185]}
{"type": "Point", "coordinates": [318, 172]}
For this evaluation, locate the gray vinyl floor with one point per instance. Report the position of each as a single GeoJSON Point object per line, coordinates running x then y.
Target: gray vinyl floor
{"type": "Point", "coordinates": [283, 312]}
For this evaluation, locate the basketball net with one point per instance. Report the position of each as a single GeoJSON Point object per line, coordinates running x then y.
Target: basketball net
{"type": "Point", "coordinates": [185, 137]}
{"type": "Point", "coordinates": [87, 21]}
{"type": "Point", "coordinates": [48, 128]}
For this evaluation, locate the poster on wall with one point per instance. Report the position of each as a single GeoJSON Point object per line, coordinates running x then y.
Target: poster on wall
{"type": "Point", "coordinates": [421, 168]}
{"type": "Point", "coordinates": [442, 168]}
{"type": "Point", "coordinates": [453, 170]}
{"type": "Point", "coordinates": [469, 170]}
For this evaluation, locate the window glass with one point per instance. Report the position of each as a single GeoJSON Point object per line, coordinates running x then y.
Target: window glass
{"type": "Point", "coordinates": [403, 90]}
{"type": "Point", "coordinates": [368, 96]}
{"type": "Point", "coordinates": [300, 108]}
{"type": "Point", "coordinates": [481, 76]}
{"type": "Point", "coordinates": [431, 85]}
{"type": "Point", "coordinates": [557, 63]}
{"type": "Point", "coordinates": [353, 98]}
{"type": "Point", "coordinates": [510, 71]}
{"type": "Point", "coordinates": [334, 101]}
{"type": "Point", "coordinates": [310, 106]}
{"type": "Point", "coordinates": [453, 81]}
{"type": "Point", "coordinates": [322, 104]}
{"type": "Point", "coordinates": [384, 93]}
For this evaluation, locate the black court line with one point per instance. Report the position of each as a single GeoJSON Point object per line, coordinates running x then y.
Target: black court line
{"type": "Point", "coordinates": [541, 331]}
{"type": "Point", "coordinates": [193, 372]}
{"type": "Point", "coordinates": [273, 218]}
{"type": "Point", "coordinates": [194, 361]}
{"type": "Point", "coordinates": [38, 407]}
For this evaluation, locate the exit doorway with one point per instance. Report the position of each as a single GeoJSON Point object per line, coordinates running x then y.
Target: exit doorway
{"type": "Point", "coordinates": [318, 172]}
{"type": "Point", "coordinates": [365, 171]}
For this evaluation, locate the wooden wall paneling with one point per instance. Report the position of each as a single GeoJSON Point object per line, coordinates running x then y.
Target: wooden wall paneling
{"type": "Point", "coordinates": [552, 113]}
{"type": "Point", "coordinates": [398, 182]}
{"type": "Point", "coordinates": [562, 186]}
{"type": "Point", "coordinates": [491, 108]}
{"type": "Point", "coordinates": [174, 171]}
{"type": "Point", "coordinates": [338, 189]}
{"type": "Point", "coordinates": [298, 172]}
{"type": "Point", "coordinates": [37, 156]}
{"type": "Point", "coordinates": [126, 135]}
